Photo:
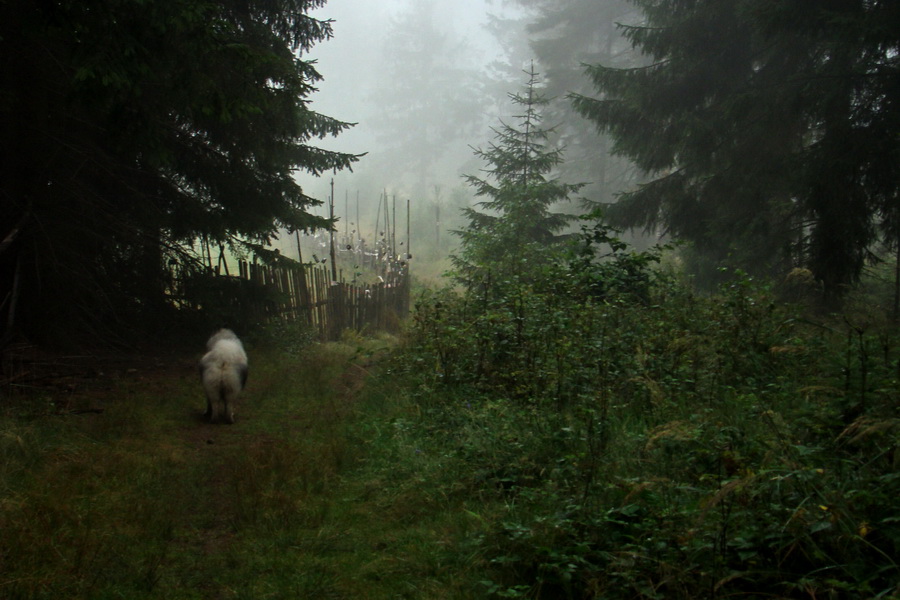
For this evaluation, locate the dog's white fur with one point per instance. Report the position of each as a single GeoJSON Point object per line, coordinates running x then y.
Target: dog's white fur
{"type": "Point", "coordinates": [223, 370]}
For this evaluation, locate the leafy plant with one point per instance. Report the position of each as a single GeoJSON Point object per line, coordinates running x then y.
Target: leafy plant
{"type": "Point", "coordinates": [644, 441]}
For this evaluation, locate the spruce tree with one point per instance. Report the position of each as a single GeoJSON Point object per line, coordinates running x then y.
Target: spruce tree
{"type": "Point", "coordinates": [563, 36]}
{"type": "Point", "coordinates": [768, 130]}
{"type": "Point", "coordinates": [132, 129]}
{"type": "Point", "coordinates": [516, 231]}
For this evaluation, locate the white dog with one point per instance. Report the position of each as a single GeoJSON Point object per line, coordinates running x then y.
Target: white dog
{"type": "Point", "coordinates": [223, 370]}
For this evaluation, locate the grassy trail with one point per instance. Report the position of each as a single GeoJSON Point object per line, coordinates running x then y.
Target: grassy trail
{"type": "Point", "coordinates": [146, 500]}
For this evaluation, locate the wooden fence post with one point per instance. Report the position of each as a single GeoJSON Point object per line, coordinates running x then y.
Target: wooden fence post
{"type": "Point", "coordinates": [309, 293]}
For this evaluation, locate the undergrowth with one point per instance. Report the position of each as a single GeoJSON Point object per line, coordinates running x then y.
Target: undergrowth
{"type": "Point", "coordinates": [640, 441]}
{"type": "Point", "coordinates": [585, 434]}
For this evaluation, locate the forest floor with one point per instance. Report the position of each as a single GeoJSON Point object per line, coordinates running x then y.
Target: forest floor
{"type": "Point", "coordinates": [112, 484]}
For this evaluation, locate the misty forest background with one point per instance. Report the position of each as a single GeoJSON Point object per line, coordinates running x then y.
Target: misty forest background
{"type": "Point", "coordinates": [654, 350]}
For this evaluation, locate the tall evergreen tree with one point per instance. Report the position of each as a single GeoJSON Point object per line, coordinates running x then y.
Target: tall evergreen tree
{"type": "Point", "coordinates": [130, 129]}
{"type": "Point", "coordinates": [517, 230]}
{"type": "Point", "coordinates": [769, 129]}
{"type": "Point", "coordinates": [563, 35]}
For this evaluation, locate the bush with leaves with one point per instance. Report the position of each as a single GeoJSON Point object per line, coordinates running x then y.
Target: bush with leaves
{"type": "Point", "coordinates": [647, 442]}
{"type": "Point", "coordinates": [603, 265]}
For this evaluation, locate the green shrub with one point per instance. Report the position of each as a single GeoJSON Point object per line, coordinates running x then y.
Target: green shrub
{"type": "Point", "coordinates": [647, 442]}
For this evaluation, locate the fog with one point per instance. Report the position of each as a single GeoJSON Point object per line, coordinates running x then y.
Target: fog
{"type": "Point", "coordinates": [362, 61]}
{"type": "Point", "coordinates": [420, 80]}
{"type": "Point", "coordinates": [425, 82]}
{"type": "Point", "coordinates": [355, 62]}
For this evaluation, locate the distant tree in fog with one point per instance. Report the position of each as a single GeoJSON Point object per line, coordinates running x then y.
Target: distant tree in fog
{"type": "Point", "coordinates": [428, 98]}
{"type": "Point", "coordinates": [769, 130]}
{"type": "Point", "coordinates": [563, 35]}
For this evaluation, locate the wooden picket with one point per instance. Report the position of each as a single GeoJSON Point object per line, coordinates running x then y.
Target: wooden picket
{"type": "Point", "coordinates": [329, 307]}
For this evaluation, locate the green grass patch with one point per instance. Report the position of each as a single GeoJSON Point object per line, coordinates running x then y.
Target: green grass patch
{"type": "Point", "coordinates": [312, 493]}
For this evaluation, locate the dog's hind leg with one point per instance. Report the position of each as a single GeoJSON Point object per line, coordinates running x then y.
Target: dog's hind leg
{"type": "Point", "coordinates": [229, 411]}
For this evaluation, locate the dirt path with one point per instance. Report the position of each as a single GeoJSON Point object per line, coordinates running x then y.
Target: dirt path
{"type": "Point", "coordinates": [122, 489]}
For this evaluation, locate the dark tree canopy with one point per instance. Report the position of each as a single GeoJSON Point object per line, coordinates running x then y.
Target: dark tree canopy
{"type": "Point", "coordinates": [132, 128]}
{"type": "Point", "coordinates": [769, 128]}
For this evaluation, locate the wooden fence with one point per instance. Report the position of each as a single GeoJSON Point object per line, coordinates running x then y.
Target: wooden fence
{"type": "Point", "coordinates": [308, 293]}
